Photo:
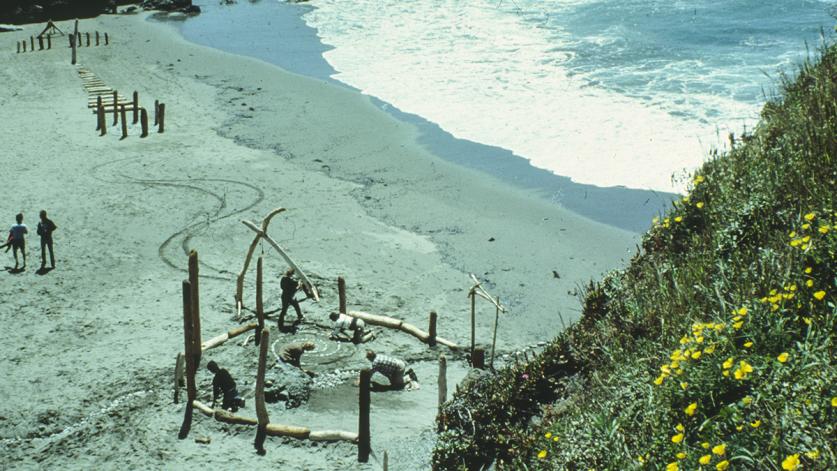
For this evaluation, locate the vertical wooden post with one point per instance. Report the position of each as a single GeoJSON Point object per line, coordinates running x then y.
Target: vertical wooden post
{"type": "Point", "coordinates": [100, 111]}
{"type": "Point", "coordinates": [78, 37]}
{"type": "Point", "coordinates": [259, 305]}
{"type": "Point", "coordinates": [494, 338]}
{"type": "Point", "coordinates": [431, 338]}
{"type": "Point", "coordinates": [478, 359]}
{"type": "Point", "coordinates": [473, 296]}
{"type": "Point", "coordinates": [115, 105]}
{"type": "Point", "coordinates": [191, 388]}
{"type": "Point", "coordinates": [107, 40]}
{"type": "Point", "coordinates": [73, 45]}
{"type": "Point", "coordinates": [341, 295]}
{"type": "Point", "coordinates": [364, 440]}
{"type": "Point", "coordinates": [70, 38]}
{"type": "Point", "coordinates": [156, 110]}
{"type": "Point", "coordinates": [443, 383]}
{"type": "Point", "coordinates": [196, 308]}
{"type": "Point", "coordinates": [261, 409]}
{"type": "Point", "coordinates": [386, 461]}
{"type": "Point", "coordinates": [144, 122]}
{"type": "Point", "coordinates": [179, 365]}
{"type": "Point", "coordinates": [49, 41]}
{"type": "Point", "coordinates": [87, 38]}
{"type": "Point", "coordinates": [75, 40]}
{"type": "Point", "coordinates": [18, 47]}
{"type": "Point", "coordinates": [40, 43]}
{"type": "Point", "coordinates": [136, 107]}
{"type": "Point", "coordinates": [124, 121]}
{"type": "Point", "coordinates": [162, 118]}
{"type": "Point", "coordinates": [97, 38]}
{"type": "Point", "coordinates": [32, 43]}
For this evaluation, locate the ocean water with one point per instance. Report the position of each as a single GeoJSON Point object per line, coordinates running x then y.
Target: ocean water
{"type": "Point", "coordinates": [607, 92]}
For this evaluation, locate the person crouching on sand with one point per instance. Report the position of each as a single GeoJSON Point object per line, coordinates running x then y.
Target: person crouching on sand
{"type": "Point", "coordinates": [343, 322]}
{"type": "Point", "coordinates": [17, 238]}
{"type": "Point", "coordinates": [395, 371]}
{"type": "Point", "coordinates": [223, 382]}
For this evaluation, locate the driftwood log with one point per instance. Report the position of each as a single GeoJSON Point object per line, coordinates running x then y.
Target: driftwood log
{"type": "Point", "coordinates": [261, 408]}
{"type": "Point", "coordinates": [221, 339]}
{"type": "Point", "coordinates": [239, 283]}
{"type": "Point", "coordinates": [393, 323]}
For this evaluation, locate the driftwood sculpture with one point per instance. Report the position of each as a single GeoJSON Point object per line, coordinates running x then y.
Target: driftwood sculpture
{"type": "Point", "coordinates": [478, 290]}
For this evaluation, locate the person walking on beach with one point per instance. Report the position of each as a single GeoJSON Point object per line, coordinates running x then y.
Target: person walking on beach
{"type": "Point", "coordinates": [394, 369]}
{"type": "Point", "coordinates": [289, 288]}
{"type": "Point", "coordinates": [223, 383]}
{"type": "Point", "coordinates": [45, 229]}
{"type": "Point", "coordinates": [17, 236]}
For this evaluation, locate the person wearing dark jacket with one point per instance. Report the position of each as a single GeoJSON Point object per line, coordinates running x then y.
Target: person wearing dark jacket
{"type": "Point", "coordinates": [289, 288]}
{"type": "Point", "coordinates": [45, 229]}
{"type": "Point", "coordinates": [223, 383]}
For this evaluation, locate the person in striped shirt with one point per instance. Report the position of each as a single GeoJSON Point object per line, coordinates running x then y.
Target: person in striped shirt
{"type": "Point", "coordinates": [394, 369]}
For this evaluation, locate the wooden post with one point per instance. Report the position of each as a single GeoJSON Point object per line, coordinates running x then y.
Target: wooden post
{"type": "Point", "coordinates": [97, 38]}
{"type": "Point", "coordinates": [259, 305]}
{"type": "Point", "coordinates": [78, 37]}
{"type": "Point", "coordinates": [40, 43]}
{"type": "Point", "coordinates": [107, 40]}
{"type": "Point", "coordinates": [431, 338]}
{"type": "Point", "coordinates": [386, 461]}
{"type": "Point", "coordinates": [364, 440]}
{"type": "Point", "coordinates": [49, 42]}
{"type": "Point", "coordinates": [494, 338]}
{"type": "Point", "coordinates": [115, 104]}
{"type": "Point", "coordinates": [100, 110]}
{"type": "Point", "coordinates": [87, 38]}
{"type": "Point", "coordinates": [162, 118]}
{"type": "Point", "coordinates": [261, 409]}
{"type": "Point", "coordinates": [156, 110]}
{"type": "Point", "coordinates": [473, 322]}
{"type": "Point", "coordinates": [74, 41]}
{"type": "Point", "coordinates": [18, 47]}
{"type": "Point", "coordinates": [443, 381]}
{"type": "Point", "coordinates": [341, 295]}
{"type": "Point", "coordinates": [144, 122]}
{"type": "Point", "coordinates": [124, 121]}
{"type": "Point", "coordinates": [196, 309]}
{"type": "Point", "coordinates": [136, 107]}
{"type": "Point", "coordinates": [191, 388]}
{"type": "Point", "coordinates": [179, 365]}
{"type": "Point", "coordinates": [32, 43]}
{"type": "Point", "coordinates": [478, 359]}
{"type": "Point", "coordinates": [73, 45]}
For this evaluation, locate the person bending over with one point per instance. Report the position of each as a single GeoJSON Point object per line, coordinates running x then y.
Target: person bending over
{"type": "Point", "coordinates": [291, 354]}
{"type": "Point", "coordinates": [223, 383]}
{"type": "Point", "coordinates": [343, 323]}
{"type": "Point", "coordinates": [394, 369]}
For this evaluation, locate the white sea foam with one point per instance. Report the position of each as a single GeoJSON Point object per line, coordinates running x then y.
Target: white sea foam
{"type": "Point", "coordinates": [483, 72]}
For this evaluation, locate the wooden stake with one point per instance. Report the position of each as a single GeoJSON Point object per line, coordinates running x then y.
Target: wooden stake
{"type": "Point", "coordinates": [32, 43]}
{"type": "Point", "coordinates": [386, 461]}
{"type": "Point", "coordinates": [196, 309]}
{"type": "Point", "coordinates": [473, 322]}
{"type": "Point", "coordinates": [259, 304]}
{"type": "Point", "coordinates": [49, 42]}
{"type": "Point", "coordinates": [179, 364]}
{"type": "Point", "coordinates": [97, 38]}
{"type": "Point", "coordinates": [136, 107]}
{"type": "Point", "coordinates": [443, 383]}
{"type": "Point", "coordinates": [124, 121]}
{"type": "Point", "coordinates": [431, 337]}
{"type": "Point", "coordinates": [18, 47]}
{"type": "Point", "coordinates": [73, 45]}
{"type": "Point", "coordinates": [144, 122]}
{"type": "Point", "coordinates": [364, 440]}
{"type": "Point", "coordinates": [261, 409]}
{"type": "Point", "coordinates": [78, 37]}
{"type": "Point", "coordinates": [107, 40]}
{"type": "Point", "coordinates": [40, 43]}
{"type": "Point", "coordinates": [494, 338]}
{"type": "Point", "coordinates": [87, 39]}
{"type": "Point", "coordinates": [115, 104]}
{"type": "Point", "coordinates": [191, 388]}
{"type": "Point", "coordinates": [341, 295]}
{"type": "Point", "coordinates": [156, 110]}
{"type": "Point", "coordinates": [478, 359]}
{"type": "Point", "coordinates": [100, 110]}
{"type": "Point", "coordinates": [162, 118]}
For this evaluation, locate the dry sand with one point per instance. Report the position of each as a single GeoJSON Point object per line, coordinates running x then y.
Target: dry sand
{"type": "Point", "coordinates": [89, 348]}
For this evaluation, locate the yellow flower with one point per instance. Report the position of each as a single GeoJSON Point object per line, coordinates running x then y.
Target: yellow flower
{"type": "Point", "coordinates": [738, 325]}
{"type": "Point", "coordinates": [726, 373]}
{"type": "Point", "coordinates": [792, 234]}
{"type": "Point", "coordinates": [755, 424]}
{"type": "Point", "coordinates": [745, 367]}
{"type": "Point", "coordinates": [722, 465]}
{"type": "Point", "coordinates": [548, 435]}
{"type": "Point", "coordinates": [824, 229]}
{"type": "Point", "coordinates": [672, 466]}
{"type": "Point", "coordinates": [640, 459]}
{"type": "Point", "coordinates": [542, 454]}
{"type": "Point", "coordinates": [678, 219]}
{"type": "Point", "coordinates": [813, 454]}
{"type": "Point", "coordinates": [807, 320]}
{"type": "Point", "coordinates": [719, 450]}
{"type": "Point", "coordinates": [555, 438]}
{"type": "Point", "coordinates": [808, 270]}
{"type": "Point", "coordinates": [783, 357]}
{"type": "Point", "coordinates": [806, 226]}
{"type": "Point", "coordinates": [685, 199]}
{"type": "Point", "coordinates": [696, 355]}
{"type": "Point", "coordinates": [810, 216]}
{"type": "Point", "coordinates": [680, 427]}
{"type": "Point", "coordinates": [705, 445]}
{"type": "Point", "coordinates": [739, 427]}
{"type": "Point", "coordinates": [806, 239]}
{"type": "Point", "coordinates": [791, 462]}
{"type": "Point", "coordinates": [742, 311]}
{"type": "Point", "coordinates": [699, 179]}
{"type": "Point", "coordinates": [819, 295]}
{"type": "Point", "coordinates": [659, 380]}
{"type": "Point", "coordinates": [705, 459]}
{"type": "Point", "coordinates": [699, 205]}
{"type": "Point", "coordinates": [677, 438]}
{"type": "Point", "coordinates": [709, 349]}
{"type": "Point", "coordinates": [684, 385]}
{"type": "Point", "coordinates": [809, 283]}
{"type": "Point", "coordinates": [690, 409]}
{"type": "Point", "coordinates": [681, 455]}
{"type": "Point", "coordinates": [728, 364]}
{"type": "Point", "coordinates": [747, 400]}
{"type": "Point", "coordinates": [748, 344]}
{"type": "Point", "coordinates": [834, 401]}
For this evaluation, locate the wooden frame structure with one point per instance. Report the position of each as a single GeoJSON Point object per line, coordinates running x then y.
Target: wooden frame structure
{"type": "Point", "coordinates": [478, 290]}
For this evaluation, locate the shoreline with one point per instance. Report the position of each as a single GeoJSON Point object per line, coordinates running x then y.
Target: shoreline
{"type": "Point", "coordinates": [301, 52]}
{"type": "Point", "coordinates": [364, 200]}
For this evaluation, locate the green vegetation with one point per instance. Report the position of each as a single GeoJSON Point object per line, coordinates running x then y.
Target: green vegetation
{"type": "Point", "coordinates": [714, 348]}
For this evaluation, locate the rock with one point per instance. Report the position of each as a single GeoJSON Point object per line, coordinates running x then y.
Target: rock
{"type": "Point", "coordinates": [204, 440]}
{"type": "Point", "coordinates": [288, 383]}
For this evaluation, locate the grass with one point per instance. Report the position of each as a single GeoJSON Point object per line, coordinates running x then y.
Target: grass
{"type": "Point", "coordinates": [714, 348]}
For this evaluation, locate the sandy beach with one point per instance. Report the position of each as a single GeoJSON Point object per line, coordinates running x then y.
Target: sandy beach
{"type": "Point", "coordinates": [90, 347]}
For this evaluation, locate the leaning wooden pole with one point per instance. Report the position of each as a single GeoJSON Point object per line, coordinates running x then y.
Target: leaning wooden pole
{"type": "Point", "coordinates": [196, 309]}
{"type": "Point", "coordinates": [261, 409]}
{"type": "Point", "coordinates": [239, 283]}
{"type": "Point", "coordinates": [191, 387]}
{"type": "Point", "coordinates": [341, 295]}
{"type": "Point", "coordinates": [494, 338]}
{"type": "Point", "coordinates": [259, 304]}
{"type": "Point", "coordinates": [311, 288]}
{"type": "Point", "coordinates": [364, 440]}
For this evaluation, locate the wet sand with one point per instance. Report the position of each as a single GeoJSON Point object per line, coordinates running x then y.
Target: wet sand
{"type": "Point", "coordinates": [90, 346]}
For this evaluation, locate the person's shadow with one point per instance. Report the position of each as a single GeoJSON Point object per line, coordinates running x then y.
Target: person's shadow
{"type": "Point", "coordinates": [290, 328]}
{"type": "Point", "coordinates": [15, 271]}
{"type": "Point", "coordinates": [43, 271]}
